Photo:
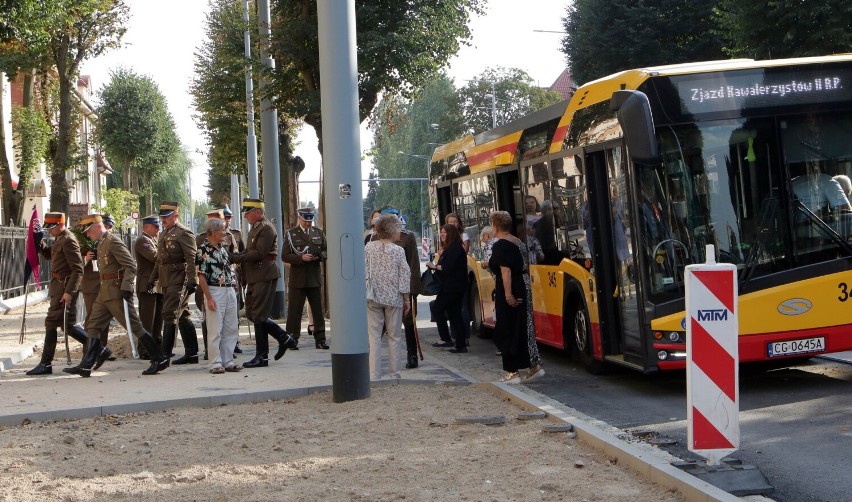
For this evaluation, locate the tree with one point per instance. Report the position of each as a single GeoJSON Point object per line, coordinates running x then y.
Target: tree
{"type": "Point", "coordinates": [401, 45]}
{"type": "Point", "coordinates": [606, 36]}
{"type": "Point", "coordinates": [89, 28]}
{"type": "Point", "coordinates": [784, 28]}
{"type": "Point", "coordinates": [119, 203]}
{"type": "Point", "coordinates": [515, 96]}
{"type": "Point", "coordinates": [137, 130]}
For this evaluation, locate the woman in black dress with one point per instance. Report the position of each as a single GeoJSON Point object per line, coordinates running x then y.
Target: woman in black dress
{"type": "Point", "coordinates": [452, 272]}
{"type": "Point", "coordinates": [507, 265]}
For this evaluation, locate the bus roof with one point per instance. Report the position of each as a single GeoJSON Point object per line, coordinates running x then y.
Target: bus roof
{"type": "Point", "coordinates": [495, 146]}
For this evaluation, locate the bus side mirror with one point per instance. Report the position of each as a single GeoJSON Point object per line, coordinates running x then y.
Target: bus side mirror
{"type": "Point", "coordinates": [633, 111]}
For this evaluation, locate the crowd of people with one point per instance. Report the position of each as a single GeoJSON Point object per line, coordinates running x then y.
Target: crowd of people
{"type": "Point", "coordinates": [168, 263]}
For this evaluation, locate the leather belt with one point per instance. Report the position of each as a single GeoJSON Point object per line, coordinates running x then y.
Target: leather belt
{"type": "Point", "coordinates": [270, 257]}
{"type": "Point", "coordinates": [220, 285]}
{"type": "Point", "coordinates": [173, 262]}
{"type": "Point", "coordinates": [109, 277]}
{"type": "Point", "coordinates": [57, 275]}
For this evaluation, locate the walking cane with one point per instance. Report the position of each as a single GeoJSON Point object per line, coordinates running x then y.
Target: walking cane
{"type": "Point", "coordinates": [414, 323]}
{"type": "Point", "coordinates": [65, 330]}
{"type": "Point", "coordinates": [129, 333]}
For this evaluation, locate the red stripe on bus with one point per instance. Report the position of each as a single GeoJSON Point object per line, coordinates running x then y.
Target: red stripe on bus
{"type": "Point", "coordinates": [559, 134]}
{"type": "Point", "coordinates": [479, 158]}
{"type": "Point", "coordinates": [548, 331]}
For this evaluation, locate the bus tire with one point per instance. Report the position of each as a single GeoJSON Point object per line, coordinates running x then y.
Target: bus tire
{"type": "Point", "coordinates": [580, 333]}
{"type": "Point", "coordinates": [476, 312]}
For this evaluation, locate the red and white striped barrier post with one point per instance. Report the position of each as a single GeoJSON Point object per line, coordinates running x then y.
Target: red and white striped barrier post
{"type": "Point", "coordinates": [712, 364]}
{"type": "Point", "coordinates": [424, 249]}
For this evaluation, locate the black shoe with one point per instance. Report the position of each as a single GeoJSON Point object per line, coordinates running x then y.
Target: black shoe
{"type": "Point", "coordinates": [41, 369]}
{"type": "Point", "coordinates": [78, 370]}
{"type": "Point", "coordinates": [322, 345]}
{"type": "Point", "coordinates": [283, 344]}
{"type": "Point", "coordinates": [257, 362]}
{"type": "Point", "coordinates": [412, 362]}
{"type": "Point", "coordinates": [157, 366]}
{"type": "Point", "coordinates": [295, 345]}
{"type": "Point", "coordinates": [186, 359]}
{"type": "Point", "coordinates": [205, 355]}
{"type": "Point", "coordinates": [237, 349]}
{"type": "Point", "coordinates": [104, 355]}
{"type": "Point", "coordinates": [110, 358]}
{"type": "Point", "coordinates": [459, 350]}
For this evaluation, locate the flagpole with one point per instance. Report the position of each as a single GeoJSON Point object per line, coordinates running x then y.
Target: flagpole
{"type": "Point", "coordinates": [26, 298]}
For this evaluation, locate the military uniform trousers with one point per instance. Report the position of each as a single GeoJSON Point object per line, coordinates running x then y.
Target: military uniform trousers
{"type": "Point", "coordinates": [103, 312]}
{"type": "Point", "coordinates": [55, 311]}
{"type": "Point", "coordinates": [259, 297]}
{"type": "Point", "coordinates": [89, 301]}
{"type": "Point", "coordinates": [150, 312]}
{"type": "Point", "coordinates": [296, 304]}
{"type": "Point", "coordinates": [175, 311]}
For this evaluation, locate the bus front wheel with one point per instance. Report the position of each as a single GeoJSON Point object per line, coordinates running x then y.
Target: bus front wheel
{"type": "Point", "coordinates": [581, 340]}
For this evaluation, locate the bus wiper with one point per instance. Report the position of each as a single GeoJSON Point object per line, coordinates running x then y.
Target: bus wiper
{"type": "Point", "coordinates": [757, 244]}
{"type": "Point", "coordinates": [825, 227]}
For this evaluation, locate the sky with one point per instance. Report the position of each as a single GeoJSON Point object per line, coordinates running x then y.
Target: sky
{"type": "Point", "coordinates": [163, 36]}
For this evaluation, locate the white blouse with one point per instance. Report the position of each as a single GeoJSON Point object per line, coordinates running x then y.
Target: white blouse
{"type": "Point", "coordinates": [388, 272]}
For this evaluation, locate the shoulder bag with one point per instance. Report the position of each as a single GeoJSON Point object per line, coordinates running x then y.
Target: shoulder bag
{"type": "Point", "coordinates": [430, 285]}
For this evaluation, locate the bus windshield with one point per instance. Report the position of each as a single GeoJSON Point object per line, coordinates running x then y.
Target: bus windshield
{"type": "Point", "coordinates": [764, 191]}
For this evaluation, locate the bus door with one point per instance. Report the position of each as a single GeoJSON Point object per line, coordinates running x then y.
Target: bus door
{"type": "Point", "coordinates": [509, 192]}
{"type": "Point", "coordinates": [613, 256]}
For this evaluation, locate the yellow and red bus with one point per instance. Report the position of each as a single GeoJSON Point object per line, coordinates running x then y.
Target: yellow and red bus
{"type": "Point", "coordinates": [619, 188]}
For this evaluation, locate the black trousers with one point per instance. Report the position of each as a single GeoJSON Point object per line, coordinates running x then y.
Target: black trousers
{"type": "Point", "coordinates": [408, 325]}
{"type": "Point", "coordinates": [296, 304]}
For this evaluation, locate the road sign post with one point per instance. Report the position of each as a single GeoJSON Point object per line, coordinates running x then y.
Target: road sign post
{"type": "Point", "coordinates": [712, 367]}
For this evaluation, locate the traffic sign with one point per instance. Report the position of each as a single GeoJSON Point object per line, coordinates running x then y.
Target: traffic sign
{"type": "Point", "coordinates": [712, 365]}
{"type": "Point", "coordinates": [135, 215]}
{"type": "Point", "coordinates": [403, 219]}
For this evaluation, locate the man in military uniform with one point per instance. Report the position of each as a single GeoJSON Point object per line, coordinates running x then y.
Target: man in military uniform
{"type": "Point", "coordinates": [92, 278]}
{"type": "Point", "coordinates": [261, 276]}
{"type": "Point", "coordinates": [408, 242]}
{"type": "Point", "coordinates": [66, 271]}
{"type": "Point", "coordinates": [178, 278]}
{"type": "Point", "coordinates": [304, 249]}
{"type": "Point", "coordinates": [150, 301]}
{"type": "Point", "coordinates": [115, 300]}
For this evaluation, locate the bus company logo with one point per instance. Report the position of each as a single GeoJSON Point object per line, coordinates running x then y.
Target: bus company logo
{"type": "Point", "coordinates": [713, 315]}
{"type": "Point", "coordinates": [795, 306]}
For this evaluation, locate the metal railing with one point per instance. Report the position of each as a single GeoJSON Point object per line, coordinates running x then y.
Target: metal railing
{"type": "Point", "coordinates": [13, 241]}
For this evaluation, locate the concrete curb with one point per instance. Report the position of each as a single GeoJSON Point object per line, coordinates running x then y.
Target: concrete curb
{"type": "Point", "coordinates": [646, 463]}
{"type": "Point", "coordinates": [11, 304]}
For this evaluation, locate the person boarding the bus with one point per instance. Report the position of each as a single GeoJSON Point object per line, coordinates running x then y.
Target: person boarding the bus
{"type": "Point", "coordinates": [150, 301]}
{"type": "Point", "coordinates": [115, 300]}
{"type": "Point", "coordinates": [178, 279]}
{"type": "Point", "coordinates": [261, 274]}
{"type": "Point", "coordinates": [305, 249]}
{"type": "Point", "coordinates": [66, 272]}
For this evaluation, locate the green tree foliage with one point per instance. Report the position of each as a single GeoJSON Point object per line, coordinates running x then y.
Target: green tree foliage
{"type": "Point", "coordinates": [31, 134]}
{"type": "Point", "coordinates": [784, 28]}
{"type": "Point", "coordinates": [88, 29]}
{"type": "Point", "coordinates": [515, 96]}
{"type": "Point", "coordinates": [136, 130]}
{"type": "Point", "coordinates": [401, 45]}
{"type": "Point", "coordinates": [173, 182]}
{"type": "Point", "coordinates": [403, 141]}
{"type": "Point", "coordinates": [119, 203]}
{"type": "Point", "coordinates": [607, 36]}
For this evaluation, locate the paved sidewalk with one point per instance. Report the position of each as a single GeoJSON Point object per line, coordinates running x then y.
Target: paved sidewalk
{"type": "Point", "coordinates": [119, 387]}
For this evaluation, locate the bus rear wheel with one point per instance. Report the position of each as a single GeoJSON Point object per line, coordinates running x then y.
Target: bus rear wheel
{"type": "Point", "coordinates": [476, 312]}
{"type": "Point", "coordinates": [581, 340]}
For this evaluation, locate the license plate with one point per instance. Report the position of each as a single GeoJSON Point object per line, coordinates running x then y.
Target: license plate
{"type": "Point", "coordinates": [791, 347]}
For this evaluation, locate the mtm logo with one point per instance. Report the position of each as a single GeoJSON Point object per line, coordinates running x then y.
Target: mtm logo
{"type": "Point", "coordinates": [713, 315]}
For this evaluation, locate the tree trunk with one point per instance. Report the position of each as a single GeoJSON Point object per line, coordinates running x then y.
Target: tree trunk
{"type": "Point", "coordinates": [149, 193]}
{"type": "Point", "coordinates": [29, 87]}
{"type": "Point", "coordinates": [59, 196]}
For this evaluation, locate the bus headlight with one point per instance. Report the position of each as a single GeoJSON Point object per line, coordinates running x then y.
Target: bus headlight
{"type": "Point", "coordinates": [674, 336]}
{"type": "Point", "coordinates": [662, 355]}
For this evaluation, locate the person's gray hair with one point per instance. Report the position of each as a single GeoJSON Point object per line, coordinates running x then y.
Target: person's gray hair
{"type": "Point", "coordinates": [386, 225]}
{"type": "Point", "coordinates": [845, 183]}
{"type": "Point", "coordinates": [501, 220]}
{"type": "Point", "coordinates": [487, 230]}
{"type": "Point", "coordinates": [214, 224]}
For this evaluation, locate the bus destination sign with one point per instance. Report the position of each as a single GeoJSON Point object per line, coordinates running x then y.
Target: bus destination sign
{"type": "Point", "coordinates": [737, 90]}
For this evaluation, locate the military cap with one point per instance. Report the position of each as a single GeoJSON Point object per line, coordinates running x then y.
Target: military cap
{"type": "Point", "coordinates": [152, 219]}
{"type": "Point", "coordinates": [306, 213]}
{"type": "Point", "coordinates": [90, 220]}
{"type": "Point", "coordinates": [215, 213]}
{"type": "Point", "coordinates": [107, 219]}
{"type": "Point", "coordinates": [250, 203]}
{"type": "Point", "coordinates": [168, 208]}
{"type": "Point", "coordinates": [53, 219]}
{"type": "Point", "coordinates": [227, 212]}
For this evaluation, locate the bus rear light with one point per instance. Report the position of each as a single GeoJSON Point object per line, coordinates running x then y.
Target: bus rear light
{"type": "Point", "coordinates": [662, 355]}
{"type": "Point", "coordinates": [588, 264]}
{"type": "Point", "coordinates": [658, 335]}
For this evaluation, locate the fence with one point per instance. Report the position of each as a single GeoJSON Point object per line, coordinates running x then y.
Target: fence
{"type": "Point", "coordinates": [12, 256]}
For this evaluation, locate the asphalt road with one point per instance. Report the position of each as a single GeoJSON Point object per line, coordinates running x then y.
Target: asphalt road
{"type": "Point", "coordinates": [794, 422]}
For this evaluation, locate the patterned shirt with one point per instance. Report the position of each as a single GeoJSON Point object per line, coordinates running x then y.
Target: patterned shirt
{"type": "Point", "coordinates": [213, 263]}
{"type": "Point", "coordinates": [388, 272]}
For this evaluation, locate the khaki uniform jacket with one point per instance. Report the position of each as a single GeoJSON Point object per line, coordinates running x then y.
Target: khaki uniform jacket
{"type": "Point", "coordinates": [145, 252]}
{"type": "Point", "coordinates": [296, 243]}
{"type": "Point", "coordinates": [118, 270]}
{"type": "Point", "coordinates": [65, 261]}
{"type": "Point", "coordinates": [258, 260]}
{"type": "Point", "coordinates": [175, 258]}
{"type": "Point", "coordinates": [91, 278]}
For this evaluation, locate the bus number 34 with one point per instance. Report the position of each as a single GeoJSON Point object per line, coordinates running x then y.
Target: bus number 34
{"type": "Point", "coordinates": [844, 292]}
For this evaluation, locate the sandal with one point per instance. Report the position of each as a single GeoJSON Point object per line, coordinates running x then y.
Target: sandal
{"type": "Point", "coordinates": [512, 377]}
{"type": "Point", "coordinates": [443, 344]}
{"type": "Point", "coordinates": [233, 368]}
{"type": "Point", "coordinates": [218, 370]}
{"type": "Point", "coordinates": [534, 373]}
